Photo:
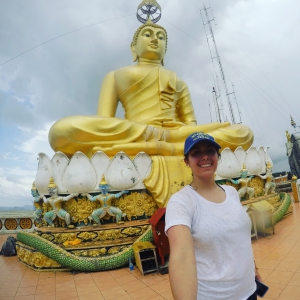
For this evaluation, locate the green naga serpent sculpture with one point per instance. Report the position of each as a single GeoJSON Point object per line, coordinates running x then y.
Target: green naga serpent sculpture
{"type": "Point", "coordinates": [284, 206]}
{"type": "Point", "coordinates": [71, 261]}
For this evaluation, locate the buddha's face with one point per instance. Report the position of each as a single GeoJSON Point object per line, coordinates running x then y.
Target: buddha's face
{"type": "Point", "coordinates": [151, 44]}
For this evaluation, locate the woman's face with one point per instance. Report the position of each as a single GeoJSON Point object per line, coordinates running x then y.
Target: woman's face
{"type": "Point", "coordinates": [203, 159]}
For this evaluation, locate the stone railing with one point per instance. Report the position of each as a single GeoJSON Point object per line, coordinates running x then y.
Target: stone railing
{"type": "Point", "coordinates": [15, 221]}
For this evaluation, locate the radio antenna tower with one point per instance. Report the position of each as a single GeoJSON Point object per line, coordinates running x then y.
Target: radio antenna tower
{"type": "Point", "coordinates": [217, 100]}
{"type": "Point", "coordinates": [208, 22]}
{"type": "Point", "coordinates": [240, 113]}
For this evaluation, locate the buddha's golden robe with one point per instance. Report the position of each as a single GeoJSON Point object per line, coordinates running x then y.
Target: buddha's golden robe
{"type": "Point", "coordinates": [158, 117]}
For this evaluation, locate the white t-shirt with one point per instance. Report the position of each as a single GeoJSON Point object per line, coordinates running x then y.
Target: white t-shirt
{"type": "Point", "coordinates": [222, 241]}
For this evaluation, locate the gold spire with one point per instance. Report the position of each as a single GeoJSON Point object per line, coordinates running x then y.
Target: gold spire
{"type": "Point", "coordinates": [33, 186]}
{"type": "Point", "coordinates": [269, 166]}
{"type": "Point", "coordinates": [51, 183]}
{"type": "Point", "coordinates": [288, 136]}
{"type": "Point", "coordinates": [103, 180]}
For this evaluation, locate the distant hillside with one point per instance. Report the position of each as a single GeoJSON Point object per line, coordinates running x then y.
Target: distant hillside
{"type": "Point", "coordinates": [21, 208]}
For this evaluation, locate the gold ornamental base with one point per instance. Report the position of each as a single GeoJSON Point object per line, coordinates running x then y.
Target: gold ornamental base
{"type": "Point", "coordinates": [89, 241]}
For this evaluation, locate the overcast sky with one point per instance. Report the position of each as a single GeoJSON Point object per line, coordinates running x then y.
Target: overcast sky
{"type": "Point", "coordinates": [55, 54]}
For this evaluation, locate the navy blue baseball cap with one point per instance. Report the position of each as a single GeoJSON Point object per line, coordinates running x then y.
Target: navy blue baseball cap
{"type": "Point", "coordinates": [196, 137]}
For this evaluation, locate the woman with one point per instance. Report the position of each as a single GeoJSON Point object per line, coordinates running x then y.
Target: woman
{"type": "Point", "coordinates": [209, 233]}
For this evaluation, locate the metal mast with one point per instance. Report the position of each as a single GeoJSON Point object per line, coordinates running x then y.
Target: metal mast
{"type": "Point", "coordinates": [217, 108]}
{"type": "Point", "coordinates": [208, 21]}
{"type": "Point", "coordinates": [240, 114]}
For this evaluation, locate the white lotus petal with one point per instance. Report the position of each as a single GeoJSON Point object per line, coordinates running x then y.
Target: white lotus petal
{"type": "Point", "coordinates": [253, 161]}
{"type": "Point", "coordinates": [121, 173]}
{"type": "Point", "coordinates": [218, 177]}
{"type": "Point", "coordinates": [143, 164]}
{"type": "Point", "coordinates": [80, 175]}
{"type": "Point", "coordinates": [229, 166]}
{"type": "Point", "coordinates": [262, 154]}
{"type": "Point", "coordinates": [240, 154]}
{"type": "Point", "coordinates": [44, 173]}
{"type": "Point", "coordinates": [268, 158]}
{"type": "Point", "coordinates": [59, 164]}
{"type": "Point", "coordinates": [100, 162]}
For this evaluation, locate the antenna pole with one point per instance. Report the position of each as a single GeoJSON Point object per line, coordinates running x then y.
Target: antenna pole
{"type": "Point", "coordinates": [215, 96]}
{"type": "Point", "coordinates": [209, 111]}
{"type": "Point", "coordinates": [240, 113]}
{"type": "Point", "coordinates": [219, 64]}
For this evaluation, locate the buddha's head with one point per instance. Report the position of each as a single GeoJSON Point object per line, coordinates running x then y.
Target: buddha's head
{"type": "Point", "coordinates": [149, 42]}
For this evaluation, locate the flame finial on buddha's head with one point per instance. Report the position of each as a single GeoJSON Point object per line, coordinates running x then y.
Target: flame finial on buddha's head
{"type": "Point", "coordinates": [148, 10]}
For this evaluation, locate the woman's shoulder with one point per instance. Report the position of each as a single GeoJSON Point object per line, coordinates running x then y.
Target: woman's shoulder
{"type": "Point", "coordinates": [183, 196]}
{"type": "Point", "coordinates": [181, 208]}
{"type": "Point", "coordinates": [229, 189]}
{"type": "Point", "coordinates": [185, 191]}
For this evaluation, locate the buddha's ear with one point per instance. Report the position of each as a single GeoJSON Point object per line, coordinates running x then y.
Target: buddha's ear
{"type": "Point", "coordinates": [134, 55]}
{"type": "Point", "coordinates": [162, 62]}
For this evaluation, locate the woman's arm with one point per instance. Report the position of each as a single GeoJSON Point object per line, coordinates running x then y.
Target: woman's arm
{"type": "Point", "coordinates": [182, 263]}
{"type": "Point", "coordinates": [257, 275]}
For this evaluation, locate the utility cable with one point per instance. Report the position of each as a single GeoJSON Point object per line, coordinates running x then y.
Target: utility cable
{"type": "Point", "coordinates": [62, 36]}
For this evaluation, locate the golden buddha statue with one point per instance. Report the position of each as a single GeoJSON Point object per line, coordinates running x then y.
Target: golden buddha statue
{"type": "Point", "coordinates": [159, 115]}
{"type": "Point", "coordinates": [158, 108]}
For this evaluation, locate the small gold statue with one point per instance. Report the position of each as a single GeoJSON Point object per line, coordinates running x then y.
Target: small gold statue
{"type": "Point", "coordinates": [244, 181]}
{"type": "Point", "coordinates": [269, 185]}
{"type": "Point", "coordinates": [56, 201]}
{"type": "Point", "coordinates": [106, 208]}
{"type": "Point", "coordinates": [288, 136]}
{"type": "Point", "coordinates": [38, 204]}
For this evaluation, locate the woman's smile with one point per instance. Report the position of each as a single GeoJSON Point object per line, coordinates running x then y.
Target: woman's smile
{"type": "Point", "coordinates": [204, 165]}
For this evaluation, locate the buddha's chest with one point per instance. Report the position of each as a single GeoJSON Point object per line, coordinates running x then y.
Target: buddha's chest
{"type": "Point", "coordinates": [137, 78]}
{"type": "Point", "coordinates": [129, 78]}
